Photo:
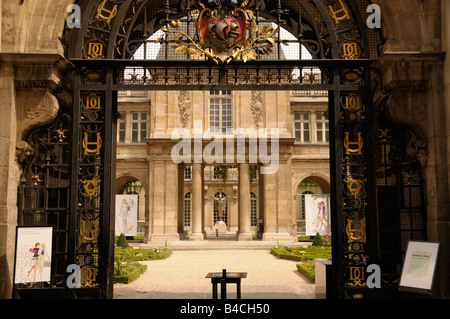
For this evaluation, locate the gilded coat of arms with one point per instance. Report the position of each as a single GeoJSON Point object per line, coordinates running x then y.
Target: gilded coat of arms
{"type": "Point", "coordinates": [227, 31]}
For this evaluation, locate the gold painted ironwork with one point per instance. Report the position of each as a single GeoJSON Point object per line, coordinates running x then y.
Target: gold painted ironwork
{"type": "Point", "coordinates": [356, 231]}
{"type": "Point", "coordinates": [357, 275]}
{"type": "Point", "coordinates": [354, 186]}
{"type": "Point", "coordinates": [89, 277]}
{"type": "Point", "coordinates": [384, 135]}
{"type": "Point", "coordinates": [348, 144]}
{"type": "Point", "coordinates": [106, 14]}
{"type": "Point", "coordinates": [340, 14]}
{"type": "Point", "coordinates": [87, 143]}
{"type": "Point", "coordinates": [90, 187]}
{"type": "Point", "coordinates": [351, 51]}
{"type": "Point", "coordinates": [36, 179]}
{"type": "Point", "coordinates": [352, 102]}
{"type": "Point", "coordinates": [95, 50]}
{"type": "Point", "coordinates": [60, 134]}
{"type": "Point", "coordinates": [89, 234]}
{"type": "Point", "coordinates": [93, 102]}
{"type": "Point", "coordinates": [254, 39]}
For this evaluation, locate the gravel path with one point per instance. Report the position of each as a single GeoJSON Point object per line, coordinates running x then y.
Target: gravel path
{"type": "Point", "coordinates": [182, 276]}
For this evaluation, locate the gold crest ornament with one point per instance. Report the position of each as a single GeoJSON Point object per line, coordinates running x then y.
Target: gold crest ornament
{"type": "Point", "coordinates": [227, 31]}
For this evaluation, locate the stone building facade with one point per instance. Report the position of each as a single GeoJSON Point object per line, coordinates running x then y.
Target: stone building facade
{"type": "Point", "coordinates": [413, 63]}
{"type": "Point", "coordinates": [301, 115]}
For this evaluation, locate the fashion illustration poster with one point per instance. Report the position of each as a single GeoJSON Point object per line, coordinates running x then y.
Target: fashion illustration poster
{"type": "Point", "coordinates": [317, 215]}
{"type": "Point", "coordinates": [126, 215]}
{"type": "Point", "coordinates": [33, 254]}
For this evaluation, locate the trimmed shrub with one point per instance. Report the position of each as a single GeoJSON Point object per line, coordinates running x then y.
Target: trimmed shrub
{"type": "Point", "coordinates": [122, 241]}
{"type": "Point", "coordinates": [318, 240]}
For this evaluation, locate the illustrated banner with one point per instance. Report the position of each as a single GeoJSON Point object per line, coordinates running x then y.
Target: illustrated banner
{"type": "Point", "coordinates": [33, 254]}
{"type": "Point", "coordinates": [126, 215]}
{"type": "Point", "coordinates": [317, 214]}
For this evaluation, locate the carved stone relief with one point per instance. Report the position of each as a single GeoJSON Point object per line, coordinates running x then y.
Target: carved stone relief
{"type": "Point", "coordinates": [38, 108]}
{"type": "Point", "coordinates": [257, 107]}
{"type": "Point", "coordinates": [185, 107]}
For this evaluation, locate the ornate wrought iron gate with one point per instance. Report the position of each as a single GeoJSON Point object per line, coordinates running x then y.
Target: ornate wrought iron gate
{"type": "Point", "coordinates": [342, 49]}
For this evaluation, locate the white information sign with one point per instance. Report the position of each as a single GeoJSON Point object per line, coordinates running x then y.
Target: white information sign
{"type": "Point", "coordinates": [419, 265]}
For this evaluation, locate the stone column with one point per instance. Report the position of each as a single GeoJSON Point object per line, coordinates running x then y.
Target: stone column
{"type": "Point", "coordinates": [164, 201]}
{"type": "Point", "coordinates": [197, 202]}
{"type": "Point", "coordinates": [244, 203]}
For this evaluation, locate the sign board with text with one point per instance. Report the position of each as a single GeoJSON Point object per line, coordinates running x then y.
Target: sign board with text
{"type": "Point", "coordinates": [419, 265]}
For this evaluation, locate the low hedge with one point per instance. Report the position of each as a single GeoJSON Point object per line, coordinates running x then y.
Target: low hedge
{"type": "Point", "coordinates": [130, 273]}
{"type": "Point", "coordinates": [306, 257]}
{"type": "Point", "coordinates": [308, 269]}
{"type": "Point", "coordinates": [302, 254]}
{"type": "Point", "coordinates": [126, 262]}
{"type": "Point", "coordinates": [143, 254]}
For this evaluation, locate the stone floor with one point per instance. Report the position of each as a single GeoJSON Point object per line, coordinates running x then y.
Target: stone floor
{"type": "Point", "coordinates": [182, 276]}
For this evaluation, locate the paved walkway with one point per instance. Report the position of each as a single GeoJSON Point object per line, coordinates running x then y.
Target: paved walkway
{"type": "Point", "coordinates": [182, 276]}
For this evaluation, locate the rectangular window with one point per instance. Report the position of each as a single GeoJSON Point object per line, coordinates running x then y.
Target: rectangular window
{"type": "Point", "coordinates": [323, 128]}
{"type": "Point", "coordinates": [302, 128]}
{"type": "Point", "coordinates": [188, 173]}
{"type": "Point", "coordinates": [220, 112]}
{"type": "Point", "coordinates": [187, 210]}
{"type": "Point", "coordinates": [253, 209]}
{"type": "Point", "coordinates": [138, 127]}
{"type": "Point", "coordinates": [121, 127]}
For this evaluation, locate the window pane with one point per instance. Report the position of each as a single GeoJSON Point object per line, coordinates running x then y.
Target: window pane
{"type": "Point", "coordinates": [122, 137]}
{"type": "Point", "coordinates": [135, 137]}
{"type": "Point", "coordinates": [319, 136]}
{"type": "Point", "coordinates": [135, 116]}
{"type": "Point", "coordinates": [144, 116]}
{"type": "Point", "coordinates": [306, 116]}
{"type": "Point", "coordinates": [306, 136]}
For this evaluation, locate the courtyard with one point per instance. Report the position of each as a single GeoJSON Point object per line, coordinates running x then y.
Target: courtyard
{"type": "Point", "coordinates": [182, 276]}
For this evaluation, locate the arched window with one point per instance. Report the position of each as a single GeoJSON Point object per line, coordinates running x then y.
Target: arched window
{"type": "Point", "coordinates": [253, 209]}
{"type": "Point", "coordinates": [187, 210]}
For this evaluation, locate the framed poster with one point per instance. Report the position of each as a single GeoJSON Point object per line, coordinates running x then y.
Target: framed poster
{"type": "Point", "coordinates": [419, 265]}
{"type": "Point", "coordinates": [317, 214]}
{"type": "Point", "coordinates": [33, 254]}
{"type": "Point", "coordinates": [126, 215]}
